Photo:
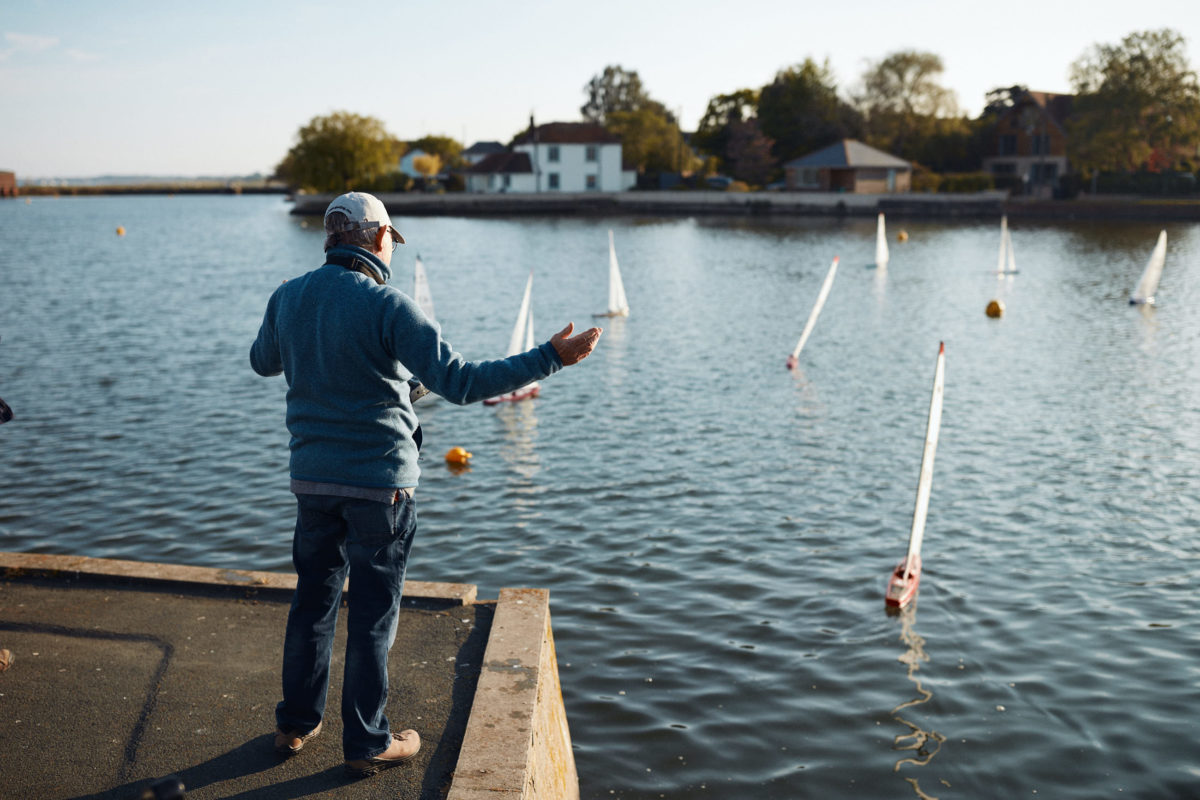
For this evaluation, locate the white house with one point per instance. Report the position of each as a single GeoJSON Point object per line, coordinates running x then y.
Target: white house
{"type": "Point", "coordinates": [501, 172]}
{"type": "Point", "coordinates": [561, 157]}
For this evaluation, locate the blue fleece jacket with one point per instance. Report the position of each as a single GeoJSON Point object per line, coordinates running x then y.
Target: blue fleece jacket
{"type": "Point", "coordinates": [347, 347]}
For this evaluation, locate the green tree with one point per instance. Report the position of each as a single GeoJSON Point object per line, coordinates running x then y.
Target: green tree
{"type": "Point", "coordinates": [339, 153]}
{"type": "Point", "coordinates": [616, 89]}
{"type": "Point", "coordinates": [800, 111]}
{"type": "Point", "coordinates": [712, 134]}
{"type": "Point", "coordinates": [901, 98]}
{"type": "Point", "coordinates": [651, 140]}
{"type": "Point", "coordinates": [1137, 104]}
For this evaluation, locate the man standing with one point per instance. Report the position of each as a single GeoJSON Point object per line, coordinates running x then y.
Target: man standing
{"type": "Point", "coordinates": [348, 345]}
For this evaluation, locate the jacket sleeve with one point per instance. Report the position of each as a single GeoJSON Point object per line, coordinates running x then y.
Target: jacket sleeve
{"type": "Point", "coordinates": [416, 342]}
{"type": "Point", "coordinates": [264, 353]}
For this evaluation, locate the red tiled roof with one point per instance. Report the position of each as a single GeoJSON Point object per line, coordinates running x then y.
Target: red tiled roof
{"type": "Point", "coordinates": [569, 133]}
{"type": "Point", "coordinates": [499, 163]}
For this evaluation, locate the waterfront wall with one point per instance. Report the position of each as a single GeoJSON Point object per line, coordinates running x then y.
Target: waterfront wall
{"type": "Point", "coordinates": [987, 204]}
{"type": "Point", "coordinates": [517, 735]}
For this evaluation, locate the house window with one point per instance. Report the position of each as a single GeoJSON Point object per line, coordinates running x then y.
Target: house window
{"type": "Point", "coordinates": [507, 181]}
{"type": "Point", "coordinates": [1006, 168]}
{"type": "Point", "coordinates": [1044, 173]}
{"type": "Point", "coordinates": [1041, 144]}
{"type": "Point", "coordinates": [553, 178]}
{"type": "Point", "coordinates": [590, 153]}
{"type": "Point", "coordinates": [808, 177]}
{"type": "Point", "coordinates": [491, 181]}
{"type": "Point", "coordinates": [1006, 145]}
{"type": "Point", "coordinates": [591, 181]}
{"type": "Point", "coordinates": [553, 153]}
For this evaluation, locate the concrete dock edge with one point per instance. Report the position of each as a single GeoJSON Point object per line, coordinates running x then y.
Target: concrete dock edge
{"type": "Point", "coordinates": [454, 593]}
{"type": "Point", "coordinates": [517, 742]}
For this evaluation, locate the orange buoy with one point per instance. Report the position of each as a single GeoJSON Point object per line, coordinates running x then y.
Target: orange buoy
{"type": "Point", "coordinates": [120, 231]}
{"type": "Point", "coordinates": [995, 309]}
{"type": "Point", "coordinates": [457, 455]}
{"type": "Point", "coordinates": [902, 236]}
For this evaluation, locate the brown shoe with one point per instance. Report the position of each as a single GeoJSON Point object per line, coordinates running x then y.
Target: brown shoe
{"type": "Point", "coordinates": [404, 747]}
{"type": "Point", "coordinates": [288, 743]}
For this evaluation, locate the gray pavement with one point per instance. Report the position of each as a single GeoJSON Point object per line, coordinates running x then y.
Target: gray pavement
{"type": "Point", "coordinates": [116, 682]}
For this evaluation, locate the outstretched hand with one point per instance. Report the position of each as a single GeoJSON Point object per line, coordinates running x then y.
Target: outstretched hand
{"type": "Point", "coordinates": [573, 349]}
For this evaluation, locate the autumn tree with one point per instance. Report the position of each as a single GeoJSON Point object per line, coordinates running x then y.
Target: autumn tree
{"type": "Point", "coordinates": [800, 111]}
{"type": "Point", "coordinates": [428, 165]}
{"type": "Point", "coordinates": [1137, 104]}
{"type": "Point", "coordinates": [339, 153]}
{"type": "Point", "coordinates": [748, 153]}
{"type": "Point", "coordinates": [446, 148]}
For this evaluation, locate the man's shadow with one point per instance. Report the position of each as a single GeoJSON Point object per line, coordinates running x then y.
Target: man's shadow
{"type": "Point", "coordinates": [258, 754]}
{"type": "Point", "coordinates": [250, 758]}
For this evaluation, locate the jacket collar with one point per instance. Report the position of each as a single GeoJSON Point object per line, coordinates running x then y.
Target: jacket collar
{"type": "Point", "coordinates": [343, 255]}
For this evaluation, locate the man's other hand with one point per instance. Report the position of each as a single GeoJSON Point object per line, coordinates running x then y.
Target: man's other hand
{"type": "Point", "coordinates": [573, 349]}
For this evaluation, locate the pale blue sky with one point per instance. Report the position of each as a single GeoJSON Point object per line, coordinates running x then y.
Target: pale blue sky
{"type": "Point", "coordinates": [160, 88]}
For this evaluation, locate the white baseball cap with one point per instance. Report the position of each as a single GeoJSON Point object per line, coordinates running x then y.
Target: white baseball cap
{"type": "Point", "coordinates": [363, 212]}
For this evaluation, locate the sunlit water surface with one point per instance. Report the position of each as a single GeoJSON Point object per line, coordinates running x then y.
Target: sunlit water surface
{"type": "Point", "coordinates": [715, 531]}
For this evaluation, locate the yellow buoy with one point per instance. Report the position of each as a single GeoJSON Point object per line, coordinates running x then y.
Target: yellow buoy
{"type": "Point", "coordinates": [902, 236]}
{"type": "Point", "coordinates": [995, 308]}
{"type": "Point", "coordinates": [120, 231]}
{"type": "Point", "coordinates": [457, 455]}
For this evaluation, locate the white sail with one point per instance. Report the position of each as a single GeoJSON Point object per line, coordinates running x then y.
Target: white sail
{"type": "Point", "coordinates": [618, 305]}
{"type": "Point", "coordinates": [925, 482]}
{"type": "Point", "coordinates": [1148, 285]}
{"type": "Point", "coordinates": [1000, 258]}
{"type": "Point", "coordinates": [816, 311]}
{"type": "Point", "coordinates": [881, 246]}
{"type": "Point", "coordinates": [522, 333]}
{"type": "Point", "coordinates": [1012, 258]}
{"type": "Point", "coordinates": [421, 291]}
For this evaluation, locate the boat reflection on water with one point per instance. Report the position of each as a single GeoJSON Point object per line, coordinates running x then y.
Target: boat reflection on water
{"type": "Point", "coordinates": [924, 744]}
{"type": "Point", "coordinates": [520, 437]}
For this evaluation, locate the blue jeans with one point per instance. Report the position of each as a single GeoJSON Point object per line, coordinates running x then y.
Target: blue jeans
{"type": "Point", "coordinates": [370, 541]}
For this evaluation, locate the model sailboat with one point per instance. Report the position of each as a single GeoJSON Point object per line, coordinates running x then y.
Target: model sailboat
{"type": "Point", "coordinates": [794, 358]}
{"type": "Point", "coordinates": [618, 305]}
{"type": "Point", "coordinates": [902, 586]}
{"type": "Point", "coordinates": [881, 247]}
{"type": "Point", "coordinates": [421, 291]}
{"type": "Point", "coordinates": [1143, 294]}
{"type": "Point", "coordinates": [520, 342]}
{"type": "Point", "coordinates": [1006, 262]}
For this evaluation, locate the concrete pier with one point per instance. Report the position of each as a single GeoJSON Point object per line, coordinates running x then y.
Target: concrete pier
{"type": "Point", "coordinates": [125, 672]}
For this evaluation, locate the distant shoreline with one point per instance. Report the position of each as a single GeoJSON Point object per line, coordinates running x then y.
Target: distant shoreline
{"type": "Point", "coordinates": [148, 188]}
{"type": "Point", "coordinates": [693, 203]}
{"type": "Point", "coordinates": [988, 204]}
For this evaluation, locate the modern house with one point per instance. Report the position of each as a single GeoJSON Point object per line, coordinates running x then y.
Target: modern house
{"type": "Point", "coordinates": [481, 150]}
{"type": "Point", "coordinates": [1029, 152]}
{"type": "Point", "coordinates": [848, 166]}
{"type": "Point", "coordinates": [8, 184]}
{"type": "Point", "coordinates": [561, 157]}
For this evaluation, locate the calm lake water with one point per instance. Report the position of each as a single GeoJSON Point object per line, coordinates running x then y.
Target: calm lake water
{"type": "Point", "coordinates": [716, 532]}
